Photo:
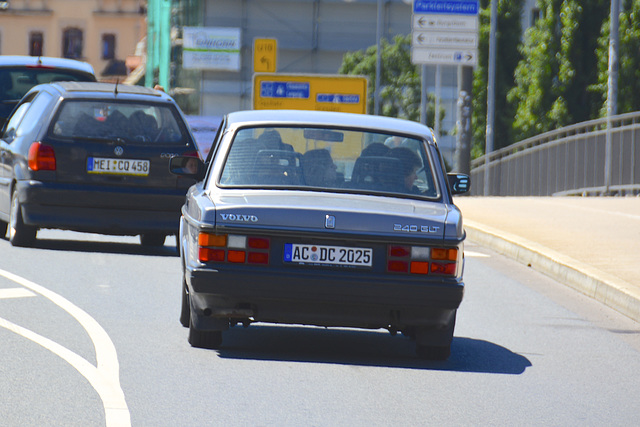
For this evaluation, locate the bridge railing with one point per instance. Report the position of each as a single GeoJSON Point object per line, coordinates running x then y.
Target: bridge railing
{"type": "Point", "coordinates": [566, 161]}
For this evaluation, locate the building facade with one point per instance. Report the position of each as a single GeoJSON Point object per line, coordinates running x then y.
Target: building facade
{"type": "Point", "coordinates": [101, 32]}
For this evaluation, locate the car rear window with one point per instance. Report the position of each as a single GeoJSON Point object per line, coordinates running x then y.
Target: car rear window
{"type": "Point", "coordinates": [130, 121]}
{"type": "Point", "coordinates": [17, 81]}
{"type": "Point", "coordinates": [329, 159]}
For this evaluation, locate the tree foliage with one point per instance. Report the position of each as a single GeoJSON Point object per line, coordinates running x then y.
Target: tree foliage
{"type": "Point", "coordinates": [508, 37]}
{"type": "Point", "coordinates": [628, 61]}
{"type": "Point", "coordinates": [559, 66]}
{"type": "Point", "coordinates": [400, 83]}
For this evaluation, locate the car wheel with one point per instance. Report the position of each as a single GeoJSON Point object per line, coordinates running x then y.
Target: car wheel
{"type": "Point", "coordinates": [19, 233]}
{"type": "Point", "coordinates": [435, 343]}
{"type": "Point", "coordinates": [185, 312]}
{"type": "Point", "coordinates": [433, 352]}
{"type": "Point", "coordinates": [3, 228]}
{"type": "Point", "coordinates": [204, 339]}
{"type": "Point", "coordinates": [152, 239]}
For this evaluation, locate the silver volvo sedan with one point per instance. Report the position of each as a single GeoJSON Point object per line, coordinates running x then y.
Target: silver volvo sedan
{"type": "Point", "coordinates": [322, 218]}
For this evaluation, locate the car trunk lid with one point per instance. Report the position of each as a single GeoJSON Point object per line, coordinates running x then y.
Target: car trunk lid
{"type": "Point", "coordinates": [334, 213]}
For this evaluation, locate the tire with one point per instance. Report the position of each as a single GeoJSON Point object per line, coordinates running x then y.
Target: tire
{"type": "Point", "coordinates": [204, 339]}
{"type": "Point", "coordinates": [433, 352]}
{"type": "Point", "coordinates": [435, 344]}
{"type": "Point", "coordinates": [19, 233]}
{"type": "Point", "coordinates": [3, 228]}
{"type": "Point", "coordinates": [185, 311]}
{"type": "Point", "coordinates": [152, 239]}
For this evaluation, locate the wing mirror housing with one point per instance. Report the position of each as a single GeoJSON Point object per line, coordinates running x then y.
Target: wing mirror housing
{"type": "Point", "coordinates": [187, 166]}
{"type": "Point", "coordinates": [460, 183]}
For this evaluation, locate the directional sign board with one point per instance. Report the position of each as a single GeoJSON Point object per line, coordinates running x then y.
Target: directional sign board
{"type": "Point", "coordinates": [446, 40]}
{"type": "Point", "coordinates": [264, 55]}
{"type": "Point", "coordinates": [445, 32]}
{"type": "Point", "coordinates": [452, 7]}
{"type": "Point", "coordinates": [445, 56]}
{"type": "Point", "coordinates": [346, 94]}
{"type": "Point", "coordinates": [445, 23]}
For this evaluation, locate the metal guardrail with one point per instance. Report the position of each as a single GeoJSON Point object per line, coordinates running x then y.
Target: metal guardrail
{"type": "Point", "coordinates": [589, 158]}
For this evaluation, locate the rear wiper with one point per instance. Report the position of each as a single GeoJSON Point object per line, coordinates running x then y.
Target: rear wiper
{"type": "Point", "coordinates": [116, 139]}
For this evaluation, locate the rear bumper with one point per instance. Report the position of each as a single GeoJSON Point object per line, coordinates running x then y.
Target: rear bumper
{"type": "Point", "coordinates": [105, 210]}
{"type": "Point", "coordinates": [329, 298]}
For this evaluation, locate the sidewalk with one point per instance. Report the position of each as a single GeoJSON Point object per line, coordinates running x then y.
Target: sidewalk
{"type": "Point", "coordinates": [589, 243]}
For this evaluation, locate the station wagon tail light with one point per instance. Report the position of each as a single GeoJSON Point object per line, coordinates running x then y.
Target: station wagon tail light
{"type": "Point", "coordinates": [231, 248]}
{"type": "Point", "coordinates": [41, 157]}
{"type": "Point", "coordinates": [192, 154]}
{"type": "Point", "coordinates": [422, 260]}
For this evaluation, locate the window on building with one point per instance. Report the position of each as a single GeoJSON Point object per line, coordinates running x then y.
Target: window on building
{"type": "Point", "coordinates": [36, 42]}
{"type": "Point", "coordinates": [535, 15]}
{"type": "Point", "coordinates": [72, 43]}
{"type": "Point", "coordinates": [108, 46]}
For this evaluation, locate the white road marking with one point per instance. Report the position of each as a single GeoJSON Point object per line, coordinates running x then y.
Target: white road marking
{"type": "Point", "coordinates": [104, 377]}
{"type": "Point", "coordinates": [15, 293]}
{"type": "Point", "coordinates": [472, 254]}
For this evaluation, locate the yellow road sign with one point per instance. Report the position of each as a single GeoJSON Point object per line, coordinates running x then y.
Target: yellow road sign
{"type": "Point", "coordinates": [264, 55]}
{"type": "Point", "coordinates": [347, 94]}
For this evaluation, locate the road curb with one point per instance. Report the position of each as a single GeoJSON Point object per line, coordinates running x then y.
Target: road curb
{"type": "Point", "coordinates": [609, 290]}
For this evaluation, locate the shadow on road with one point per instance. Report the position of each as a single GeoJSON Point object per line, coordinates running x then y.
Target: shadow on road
{"type": "Point", "coordinates": [104, 247]}
{"type": "Point", "coordinates": [363, 348]}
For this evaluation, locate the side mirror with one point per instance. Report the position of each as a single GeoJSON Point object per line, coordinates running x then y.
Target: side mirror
{"type": "Point", "coordinates": [459, 182]}
{"type": "Point", "coordinates": [9, 135]}
{"type": "Point", "coordinates": [187, 166]}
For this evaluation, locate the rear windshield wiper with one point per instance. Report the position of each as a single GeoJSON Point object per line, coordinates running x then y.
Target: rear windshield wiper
{"type": "Point", "coordinates": [115, 139]}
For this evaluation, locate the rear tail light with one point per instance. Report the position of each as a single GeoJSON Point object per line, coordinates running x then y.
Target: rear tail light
{"type": "Point", "coordinates": [192, 154]}
{"type": "Point", "coordinates": [233, 248]}
{"type": "Point", "coordinates": [422, 260]}
{"type": "Point", "coordinates": [41, 157]}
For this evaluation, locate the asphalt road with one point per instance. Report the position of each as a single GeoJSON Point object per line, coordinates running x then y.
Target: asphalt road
{"type": "Point", "coordinates": [90, 337]}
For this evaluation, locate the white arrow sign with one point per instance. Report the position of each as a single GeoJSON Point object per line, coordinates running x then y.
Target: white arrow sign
{"type": "Point", "coordinates": [445, 39]}
{"type": "Point", "coordinates": [445, 22]}
{"type": "Point", "coordinates": [444, 56]}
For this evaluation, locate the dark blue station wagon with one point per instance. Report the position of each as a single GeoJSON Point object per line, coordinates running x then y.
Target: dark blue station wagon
{"type": "Point", "coordinates": [93, 157]}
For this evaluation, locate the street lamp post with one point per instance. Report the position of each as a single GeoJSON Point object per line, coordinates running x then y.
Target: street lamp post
{"type": "Point", "coordinates": [376, 93]}
{"type": "Point", "coordinates": [612, 86]}
{"type": "Point", "coordinates": [491, 79]}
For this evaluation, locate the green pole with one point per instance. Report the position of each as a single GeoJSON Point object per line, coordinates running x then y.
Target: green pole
{"type": "Point", "coordinates": [151, 18]}
{"type": "Point", "coordinates": [157, 26]}
{"type": "Point", "coordinates": [164, 43]}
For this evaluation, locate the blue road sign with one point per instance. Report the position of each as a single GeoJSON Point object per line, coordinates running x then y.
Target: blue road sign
{"type": "Point", "coordinates": [284, 90]}
{"type": "Point", "coordinates": [338, 98]}
{"type": "Point", "coordinates": [456, 7]}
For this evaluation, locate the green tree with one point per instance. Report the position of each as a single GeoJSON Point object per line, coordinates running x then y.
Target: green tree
{"type": "Point", "coordinates": [400, 84]}
{"type": "Point", "coordinates": [559, 66]}
{"type": "Point", "coordinates": [628, 61]}
{"type": "Point", "coordinates": [508, 36]}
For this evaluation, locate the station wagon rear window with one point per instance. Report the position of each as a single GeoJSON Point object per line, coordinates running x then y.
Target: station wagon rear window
{"type": "Point", "coordinates": [329, 159]}
{"type": "Point", "coordinates": [16, 81]}
{"type": "Point", "coordinates": [129, 121]}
